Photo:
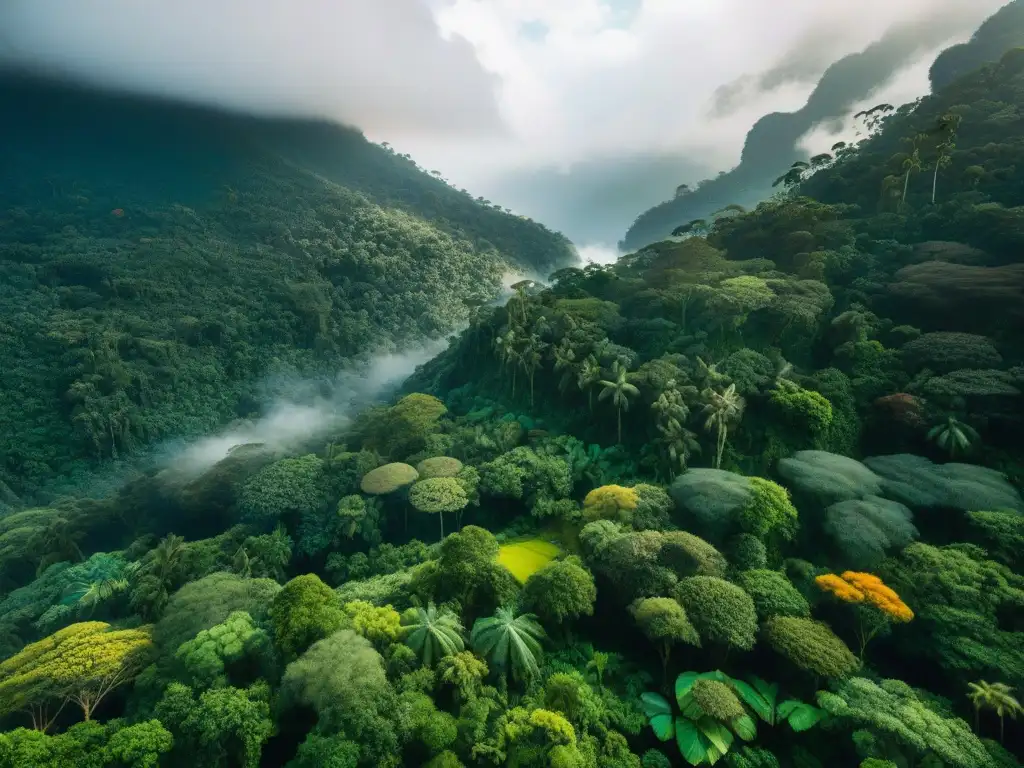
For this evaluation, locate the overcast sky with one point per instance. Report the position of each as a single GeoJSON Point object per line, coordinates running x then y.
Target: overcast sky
{"type": "Point", "coordinates": [477, 88]}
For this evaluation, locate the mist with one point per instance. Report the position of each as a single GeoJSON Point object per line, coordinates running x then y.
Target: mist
{"type": "Point", "coordinates": [302, 411]}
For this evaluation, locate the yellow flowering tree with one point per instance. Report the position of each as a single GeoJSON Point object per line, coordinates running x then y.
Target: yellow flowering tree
{"type": "Point", "coordinates": [610, 502]}
{"type": "Point", "coordinates": [878, 606]}
{"type": "Point", "coordinates": [81, 663]}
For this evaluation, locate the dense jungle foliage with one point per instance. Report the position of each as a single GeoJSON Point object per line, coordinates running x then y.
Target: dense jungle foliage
{"type": "Point", "coordinates": [156, 260]}
{"type": "Point", "coordinates": [748, 497]}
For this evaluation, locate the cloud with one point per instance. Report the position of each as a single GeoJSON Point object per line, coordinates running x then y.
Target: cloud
{"type": "Point", "coordinates": [595, 86]}
{"type": "Point", "coordinates": [495, 92]}
{"type": "Point", "coordinates": [382, 65]}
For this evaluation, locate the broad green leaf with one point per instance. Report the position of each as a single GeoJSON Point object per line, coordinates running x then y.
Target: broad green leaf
{"type": "Point", "coordinates": [714, 754]}
{"type": "Point", "coordinates": [690, 708]}
{"type": "Point", "coordinates": [684, 683]}
{"type": "Point", "coordinates": [753, 699]}
{"type": "Point", "coordinates": [716, 733]}
{"type": "Point", "coordinates": [655, 704]}
{"type": "Point", "coordinates": [693, 746]}
{"type": "Point", "coordinates": [770, 691]}
{"type": "Point", "coordinates": [805, 717]}
{"type": "Point", "coordinates": [663, 727]}
{"type": "Point", "coordinates": [745, 727]}
{"type": "Point", "coordinates": [786, 708]}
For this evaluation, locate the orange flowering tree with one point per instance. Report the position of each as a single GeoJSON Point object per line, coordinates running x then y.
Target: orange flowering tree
{"type": "Point", "coordinates": [878, 606]}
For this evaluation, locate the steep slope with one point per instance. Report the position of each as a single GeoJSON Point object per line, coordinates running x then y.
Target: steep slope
{"type": "Point", "coordinates": [975, 183]}
{"type": "Point", "coordinates": [158, 261]}
{"type": "Point", "coordinates": [1000, 32]}
{"type": "Point", "coordinates": [771, 144]}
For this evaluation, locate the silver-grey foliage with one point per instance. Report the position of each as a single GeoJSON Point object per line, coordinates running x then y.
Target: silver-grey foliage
{"type": "Point", "coordinates": [829, 478]}
{"type": "Point", "coordinates": [917, 482]}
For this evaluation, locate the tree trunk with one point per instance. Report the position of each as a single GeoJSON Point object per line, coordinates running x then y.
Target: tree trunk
{"type": "Point", "coordinates": [619, 413]}
{"type": "Point", "coordinates": [1000, 729]}
{"type": "Point", "coordinates": [664, 649]}
{"type": "Point", "coordinates": [935, 181]}
{"type": "Point", "coordinates": [906, 185]}
{"type": "Point", "coordinates": [440, 516]}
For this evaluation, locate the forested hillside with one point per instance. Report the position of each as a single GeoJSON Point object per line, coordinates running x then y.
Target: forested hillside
{"type": "Point", "coordinates": [159, 261]}
{"type": "Point", "coordinates": [772, 142]}
{"type": "Point", "coordinates": [749, 499]}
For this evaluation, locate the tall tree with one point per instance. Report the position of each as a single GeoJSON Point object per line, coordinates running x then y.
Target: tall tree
{"type": "Point", "coordinates": [945, 131]}
{"type": "Point", "coordinates": [620, 391]}
{"type": "Point", "coordinates": [995, 696]}
{"type": "Point", "coordinates": [530, 358]}
{"type": "Point", "coordinates": [723, 409]}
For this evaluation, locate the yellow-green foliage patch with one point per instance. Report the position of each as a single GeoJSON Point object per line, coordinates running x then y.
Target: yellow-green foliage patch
{"type": "Point", "coordinates": [524, 558]}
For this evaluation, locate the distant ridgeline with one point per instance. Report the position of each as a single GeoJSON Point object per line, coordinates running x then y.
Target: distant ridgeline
{"type": "Point", "coordinates": [771, 144]}
{"type": "Point", "coordinates": [157, 260]}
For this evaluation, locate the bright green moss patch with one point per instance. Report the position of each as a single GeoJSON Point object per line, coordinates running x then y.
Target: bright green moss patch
{"type": "Point", "coordinates": [524, 558]}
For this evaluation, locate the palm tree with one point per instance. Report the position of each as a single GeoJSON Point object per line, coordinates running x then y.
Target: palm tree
{"type": "Point", "coordinates": [509, 642]}
{"type": "Point", "coordinates": [670, 405]}
{"type": "Point", "coordinates": [56, 543]}
{"type": "Point", "coordinates": [619, 390]}
{"type": "Point", "coordinates": [946, 127]}
{"type": "Point", "coordinates": [434, 633]}
{"type": "Point", "coordinates": [679, 443]}
{"type": "Point", "coordinates": [587, 376]}
{"type": "Point", "coordinates": [505, 348]}
{"type": "Point", "coordinates": [90, 594]}
{"type": "Point", "coordinates": [995, 696]}
{"type": "Point", "coordinates": [723, 409]}
{"type": "Point", "coordinates": [564, 356]}
{"type": "Point", "coordinates": [166, 554]}
{"type": "Point", "coordinates": [953, 436]}
{"type": "Point", "coordinates": [530, 357]}
{"type": "Point", "coordinates": [521, 288]}
{"type": "Point", "coordinates": [910, 164]}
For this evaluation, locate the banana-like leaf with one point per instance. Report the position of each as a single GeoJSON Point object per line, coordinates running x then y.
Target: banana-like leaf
{"type": "Point", "coordinates": [663, 727]}
{"type": "Point", "coordinates": [693, 745]}
{"type": "Point", "coordinates": [770, 691]}
{"type": "Point", "coordinates": [659, 714]}
{"type": "Point", "coordinates": [684, 683]}
{"type": "Point", "coordinates": [801, 716]}
{"type": "Point", "coordinates": [654, 704]}
{"type": "Point", "coordinates": [763, 707]}
{"type": "Point", "coordinates": [716, 733]}
{"type": "Point", "coordinates": [690, 708]}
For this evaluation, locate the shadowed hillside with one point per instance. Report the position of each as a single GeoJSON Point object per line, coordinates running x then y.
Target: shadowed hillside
{"type": "Point", "coordinates": [157, 261]}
